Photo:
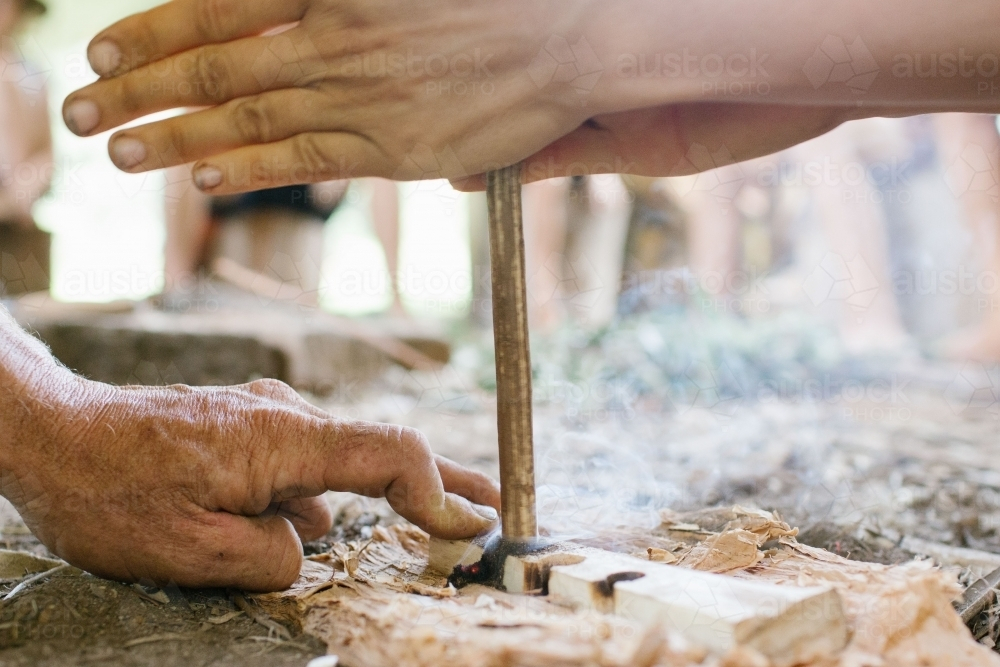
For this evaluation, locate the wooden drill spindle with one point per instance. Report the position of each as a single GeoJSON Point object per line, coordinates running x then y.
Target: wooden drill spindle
{"type": "Point", "coordinates": [513, 355]}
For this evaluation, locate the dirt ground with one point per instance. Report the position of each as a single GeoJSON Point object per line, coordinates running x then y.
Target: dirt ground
{"type": "Point", "coordinates": [858, 465]}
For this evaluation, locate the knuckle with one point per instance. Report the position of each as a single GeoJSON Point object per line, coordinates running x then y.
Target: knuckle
{"type": "Point", "coordinates": [177, 143]}
{"type": "Point", "coordinates": [210, 19]}
{"type": "Point", "coordinates": [271, 388]}
{"type": "Point", "coordinates": [414, 442]}
{"type": "Point", "coordinates": [211, 74]}
{"type": "Point", "coordinates": [132, 93]}
{"type": "Point", "coordinates": [139, 40]}
{"type": "Point", "coordinates": [253, 121]}
{"type": "Point", "coordinates": [268, 384]}
{"type": "Point", "coordinates": [311, 159]}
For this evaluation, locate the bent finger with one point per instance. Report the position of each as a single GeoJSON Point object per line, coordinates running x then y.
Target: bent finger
{"type": "Point", "coordinates": [477, 487]}
{"type": "Point", "coordinates": [182, 25]}
{"type": "Point", "coordinates": [381, 460]}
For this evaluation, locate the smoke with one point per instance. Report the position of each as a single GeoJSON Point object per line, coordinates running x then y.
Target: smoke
{"type": "Point", "coordinates": [587, 483]}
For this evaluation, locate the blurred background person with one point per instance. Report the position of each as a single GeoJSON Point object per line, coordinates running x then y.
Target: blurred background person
{"type": "Point", "coordinates": [277, 233]}
{"type": "Point", "coordinates": [970, 154]}
{"type": "Point", "coordinates": [26, 158]}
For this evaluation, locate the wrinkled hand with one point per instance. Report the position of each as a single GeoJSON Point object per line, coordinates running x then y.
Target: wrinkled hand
{"type": "Point", "coordinates": [354, 88]}
{"type": "Point", "coordinates": [217, 486]}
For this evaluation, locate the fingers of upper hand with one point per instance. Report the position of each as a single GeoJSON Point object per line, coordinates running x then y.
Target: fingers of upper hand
{"type": "Point", "coordinates": [248, 121]}
{"type": "Point", "coordinates": [181, 25]}
{"type": "Point", "coordinates": [311, 157]}
{"type": "Point", "coordinates": [203, 77]}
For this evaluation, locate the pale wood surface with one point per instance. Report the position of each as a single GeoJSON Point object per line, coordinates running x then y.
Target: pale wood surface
{"type": "Point", "coordinates": [377, 604]}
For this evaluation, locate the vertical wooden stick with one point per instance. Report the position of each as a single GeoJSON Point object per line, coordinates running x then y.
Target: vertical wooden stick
{"type": "Point", "coordinates": [513, 355]}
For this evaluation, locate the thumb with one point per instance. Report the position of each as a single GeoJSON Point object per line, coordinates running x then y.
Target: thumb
{"type": "Point", "coordinates": [257, 554]}
{"type": "Point", "coordinates": [475, 183]}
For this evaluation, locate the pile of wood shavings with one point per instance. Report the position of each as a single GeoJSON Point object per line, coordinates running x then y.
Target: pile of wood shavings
{"type": "Point", "coordinates": [373, 604]}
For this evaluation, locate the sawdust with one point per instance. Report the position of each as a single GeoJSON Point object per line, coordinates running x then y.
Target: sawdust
{"type": "Point", "coordinates": [900, 615]}
{"type": "Point", "coordinates": [389, 612]}
{"type": "Point", "coordinates": [728, 551]}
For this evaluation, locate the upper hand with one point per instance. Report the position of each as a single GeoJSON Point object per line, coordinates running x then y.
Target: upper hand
{"type": "Point", "coordinates": [353, 88]}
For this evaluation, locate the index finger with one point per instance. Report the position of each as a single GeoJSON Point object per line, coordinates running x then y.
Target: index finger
{"type": "Point", "coordinates": [382, 460]}
{"type": "Point", "coordinates": [181, 25]}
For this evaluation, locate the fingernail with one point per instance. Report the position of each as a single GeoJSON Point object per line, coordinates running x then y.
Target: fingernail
{"type": "Point", "coordinates": [105, 57]}
{"type": "Point", "coordinates": [127, 152]}
{"type": "Point", "coordinates": [82, 116]}
{"type": "Point", "coordinates": [207, 178]}
{"type": "Point", "coordinates": [487, 513]}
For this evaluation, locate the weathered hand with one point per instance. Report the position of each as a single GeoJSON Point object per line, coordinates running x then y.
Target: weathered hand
{"type": "Point", "coordinates": [353, 88]}
{"type": "Point", "coordinates": [214, 486]}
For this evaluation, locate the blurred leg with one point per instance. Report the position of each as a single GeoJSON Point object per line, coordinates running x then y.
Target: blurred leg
{"type": "Point", "coordinates": [595, 249]}
{"type": "Point", "coordinates": [854, 225]}
{"type": "Point", "coordinates": [714, 228]}
{"type": "Point", "coordinates": [969, 147]}
{"type": "Point", "coordinates": [285, 246]}
{"type": "Point", "coordinates": [187, 227]}
{"type": "Point", "coordinates": [385, 217]}
{"type": "Point", "coordinates": [545, 220]}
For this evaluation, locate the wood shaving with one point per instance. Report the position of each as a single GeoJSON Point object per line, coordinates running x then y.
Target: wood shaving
{"type": "Point", "coordinates": [899, 615]}
{"type": "Point", "coordinates": [430, 591]}
{"type": "Point", "coordinates": [660, 555]}
{"type": "Point", "coordinates": [728, 551]}
{"type": "Point", "coordinates": [163, 637]}
{"type": "Point", "coordinates": [219, 620]}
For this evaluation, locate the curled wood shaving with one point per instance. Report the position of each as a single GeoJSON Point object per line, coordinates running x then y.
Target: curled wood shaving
{"type": "Point", "coordinates": [728, 551]}
{"type": "Point", "coordinates": [158, 596]}
{"type": "Point", "coordinates": [163, 637]}
{"type": "Point", "coordinates": [261, 618]}
{"type": "Point", "coordinates": [219, 620]}
{"type": "Point", "coordinates": [430, 591]}
{"type": "Point", "coordinates": [766, 525]}
{"type": "Point", "coordinates": [685, 527]}
{"type": "Point", "coordinates": [660, 555]}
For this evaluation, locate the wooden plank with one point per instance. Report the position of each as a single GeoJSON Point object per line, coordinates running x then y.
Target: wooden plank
{"type": "Point", "coordinates": [788, 624]}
